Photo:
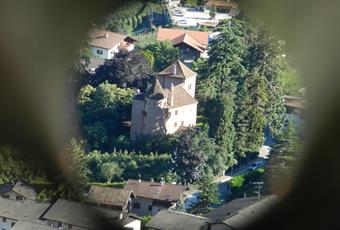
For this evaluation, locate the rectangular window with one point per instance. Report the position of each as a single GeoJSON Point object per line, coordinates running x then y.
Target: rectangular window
{"type": "Point", "coordinates": [175, 125]}
{"type": "Point", "coordinates": [18, 198]}
{"type": "Point", "coordinates": [59, 225]}
{"type": "Point", "coordinates": [150, 207]}
{"type": "Point", "coordinates": [136, 205]}
{"type": "Point", "coordinates": [4, 219]}
{"type": "Point", "coordinates": [176, 112]}
{"type": "Point", "coordinates": [100, 52]}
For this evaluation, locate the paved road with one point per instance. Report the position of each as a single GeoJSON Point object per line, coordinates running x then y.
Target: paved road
{"type": "Point", "coordinates": [192, 17]}
{"type": "Point", "coordinates": [192, 195]}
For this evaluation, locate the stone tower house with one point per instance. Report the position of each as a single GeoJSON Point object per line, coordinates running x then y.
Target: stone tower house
{"type": "Point", "coordinates": [168, 106]}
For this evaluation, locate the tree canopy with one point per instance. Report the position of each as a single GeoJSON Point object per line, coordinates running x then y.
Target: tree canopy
{"type": "Point", "coordinates": [163, 53]}
{"type": "Point", "coordinates": [102, 111]}
{"type": "Point", "coordinates": [131, 70]}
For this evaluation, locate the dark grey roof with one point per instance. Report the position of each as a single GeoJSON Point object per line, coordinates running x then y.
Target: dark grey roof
{"type": "Point", "coordinates": [109, 196]}
{"type": "Point", "coordinates": [172, 220]}
{"type": "Point", "coordinates": [226, 210]}
{"type": "Point", "coordinates": [20, 188]}
{"type": "Point", "coordinates": [25, 190]}
{"type": "Point", "coordinates": [24, 225]}
{"type": "Point", "coordinates": [4, 188]}
{"type": "Point", "coordinates": [157, 92]}
{"type": "Point", "coordinates": [178, 70]}
{"type": "Point", "coordinates": [155, 190]}
{"type": "Point", "coordinates": [82, 215]}
{"type": "Point", "coordinates": [243, 217]}
{"type": "Point", "coordinates": [22, 210]}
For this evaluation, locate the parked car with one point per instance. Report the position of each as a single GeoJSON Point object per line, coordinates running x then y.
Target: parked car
{"type": "Point", "coordinates": [256, 165]}
{"type": "Point", "coordinates": [178, 13]}
{"type": "Point", "coordinates": [183, 22]}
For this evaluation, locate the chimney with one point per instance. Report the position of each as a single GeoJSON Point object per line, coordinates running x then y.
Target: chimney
{"type": "Point", "coordinates": [106, 35]}
{"type": "Point", "coordinates": [175, 70]}
{"type": "Point", "coordinates": [171, 94]}
{"type": "Point", "coordinates": [162, 181]}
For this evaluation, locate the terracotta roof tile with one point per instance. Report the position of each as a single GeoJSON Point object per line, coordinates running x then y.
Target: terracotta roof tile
{"type": "Point", "coordinates": [105, 39]}
{"type": "Point", "coordinates": [170, 34]}
{"type": "Point", "coordinates": [189, 40]}
{"type": "Point", "coordinates": [181, 97]}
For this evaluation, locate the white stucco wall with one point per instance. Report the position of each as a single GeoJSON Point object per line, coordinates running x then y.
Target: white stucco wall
{"type": "Point", "coordinates": [107, 53]}
{"type": "Point", "coordinates": [13, 196]}
{"type": "Point", "coordinates": [143, 210]}
{"type": "Point", "coordinates": [7, 224]}
{"type": "Point", "coordinates": [185, 114]}
{"type": "Point", "coordinates": [190, 85]}
{"type": "Point", "coordinates": [54, 224]}
{"type": "Point", "coordinates": [135, 225]}
{"type": "Point", "coordinates": [150, 122]}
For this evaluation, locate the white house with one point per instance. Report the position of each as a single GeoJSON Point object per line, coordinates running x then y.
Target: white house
{"type": "Point", "coordinates": [151, 197]}
{"type": "Point", "coordinates": [105, 44]}
{"type": "Point", "coordinates": [168, 106]}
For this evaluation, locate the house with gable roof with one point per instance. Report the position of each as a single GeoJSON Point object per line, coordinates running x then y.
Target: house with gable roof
{"type": "Point", "coordinates": [168, 106]}
{"type": "Point", "coordinates": [18, 191]}
{"type": "Point", "coordinates": [106, 44]}
{"type": "Point", "coordinates": [151, 196]}
{"type": "Point", "coordinates": [193, 44]}
{"type": "Point", "coordinates": [110, 197]}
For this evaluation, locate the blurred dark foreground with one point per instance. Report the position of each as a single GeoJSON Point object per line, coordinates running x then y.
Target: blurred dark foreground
{"type": "Point", "coordinates": [39, 38]}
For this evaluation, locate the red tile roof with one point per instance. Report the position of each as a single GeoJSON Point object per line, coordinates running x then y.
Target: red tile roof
{"type": "Point", "coordinates": [105, 39]}
{"type": "Point", "coordinates": [196, 39]}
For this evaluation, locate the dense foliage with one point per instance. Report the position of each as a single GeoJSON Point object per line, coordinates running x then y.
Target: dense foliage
{"type": "Point", "coordinates": [132, 15]}
{"type": "Point", "coordinates": [188, 157]}
{"type": "Point", "coordinates": [217, 85]}
{"type": "Point", "coordinates": [283, 155]}
{"type": "Point", "coordinates": [240, 87]}
{"type": "Point", "coordinates": [208, 196]}
{"type": "Point", "coordinates": [13, 167]}
{"type": "Point", "coordinates": [164, 54]}
{"type": "Point", "coordinates": [102, 112]}
{"type": "Point", "coordinates": [131, 69]}
{"type": "Point", "coordinates": [132, 164]}
{"type": "Point", "coordinates": [243, 185]}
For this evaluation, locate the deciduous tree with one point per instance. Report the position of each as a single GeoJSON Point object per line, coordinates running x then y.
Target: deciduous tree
{"type": "Point", "coordinates": [208, 196]}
